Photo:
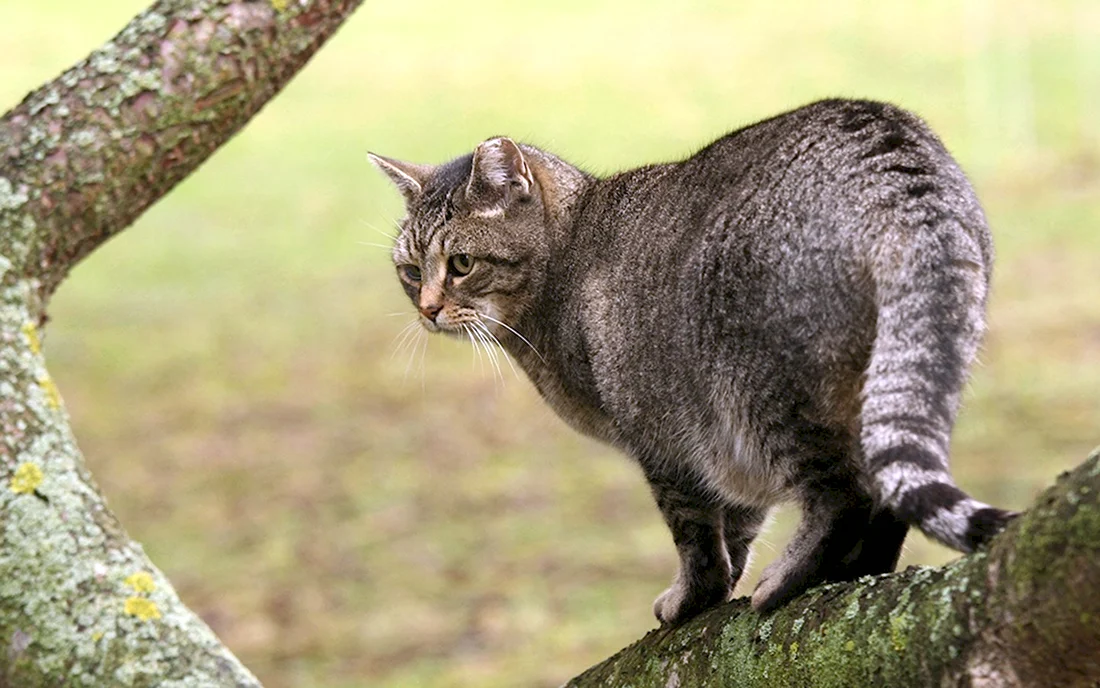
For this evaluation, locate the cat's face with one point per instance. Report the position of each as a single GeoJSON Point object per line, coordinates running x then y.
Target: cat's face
{"type": "Point", "coordinates": [472, 246]}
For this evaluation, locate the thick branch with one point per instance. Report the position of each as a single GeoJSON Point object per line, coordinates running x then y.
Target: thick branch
{"type": "Point", "coordinates": [82, 157]}
{"type": "Point", "coordinates": [1026, 612]}
{"type": "Point", "coordinates": [80, 604]}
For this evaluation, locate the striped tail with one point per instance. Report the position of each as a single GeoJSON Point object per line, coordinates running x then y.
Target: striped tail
{"type": "Point", "coordinates": [931, 289]}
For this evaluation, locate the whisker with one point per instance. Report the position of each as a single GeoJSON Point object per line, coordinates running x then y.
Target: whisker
{"type": "Point", "coordinates": [374, 245]}
{"type": "Point", "coordinates": [489, 351]}
{"type": "Point", "coordinates": [513, 331]}
{"type": "Point", "coordinates": [409, 360]}
{"type": "Point", "coordinates": [467, 331]}
{"type": "Point", "coordinates": [412, 354]}
{"type": "Point", "coordinates": [408, 344]}
{"type": "Point", "coordinates": [423, 355]}
{"type": "Point", "coordinates": [401, 339]}
{"type": "Point", "coordinates": [391, 237]}
{"type": "Point", "coordinates": [507, 358]}
{"type": "Point", "coordinates": [492, 356]}
{"type": "Point", "coordinates": [767, 544]}
{"type": "Point", "coordinates": [475, 350]}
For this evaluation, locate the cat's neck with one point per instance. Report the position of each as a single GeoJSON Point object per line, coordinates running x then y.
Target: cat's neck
{"type": "Point", "coordinates": [565, 190]}
{"type": "Point", "coordinates": [546, 340]}
{"type": "Point", "coordinates": [563, 187]}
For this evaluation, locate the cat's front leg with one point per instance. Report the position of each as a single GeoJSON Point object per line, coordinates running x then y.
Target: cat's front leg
{"type": "Point", "coordinates": [704, 578]}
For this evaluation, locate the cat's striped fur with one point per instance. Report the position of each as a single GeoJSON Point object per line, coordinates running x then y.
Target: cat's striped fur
{"type": "Point", "coordinates": [790, 313]}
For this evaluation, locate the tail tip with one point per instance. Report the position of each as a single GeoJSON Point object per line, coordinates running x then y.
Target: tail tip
{"type": "Point", "coordinates": [985, 524]}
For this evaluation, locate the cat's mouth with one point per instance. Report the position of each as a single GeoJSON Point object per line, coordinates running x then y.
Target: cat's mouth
{"type": "Point", "coordinates": [430, 325]}
{"type": "Point", "coordinates": [443, 324]}
{"type": "Point", "coordinates": [470, 327]}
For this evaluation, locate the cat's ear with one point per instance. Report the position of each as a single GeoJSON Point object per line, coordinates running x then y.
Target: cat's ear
{"type": "Point", "coordinates": [500, 174]}
{"type": "Point", "coordinates": [408, 177]}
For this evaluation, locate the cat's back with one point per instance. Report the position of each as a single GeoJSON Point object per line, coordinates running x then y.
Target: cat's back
{"type": "Point", "coordinates": [836, 157]}
{"type": "Point", "coordinates": [822, 180]}
{"type": "Point", "coordinates": [753, 256]}
{"type": "Point", "coordinates": [812, 191]}
{"type": "Point", "coordinates": [804, 206]}
{"type": "Point", "coordinates": [830, 164]}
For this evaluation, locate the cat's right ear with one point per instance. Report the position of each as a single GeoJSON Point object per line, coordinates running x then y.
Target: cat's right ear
{"type": "Point", "coordinates": [499, 174]}
{"type": "Point", "coordinates": [409, 178]}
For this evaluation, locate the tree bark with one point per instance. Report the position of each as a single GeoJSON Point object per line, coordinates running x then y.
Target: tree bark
{"type": "Point", "coordinates": [1024, 612]}
{"type": "Point", "coordinates": [80, 159]}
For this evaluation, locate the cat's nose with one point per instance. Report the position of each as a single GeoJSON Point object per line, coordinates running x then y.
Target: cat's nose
{"type": "Point", "coordinates": [431, 310]}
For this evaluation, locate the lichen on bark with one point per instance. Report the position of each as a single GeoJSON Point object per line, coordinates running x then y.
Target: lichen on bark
{"type": "Point", "coordinates": [64, 559]}
{"type": "Point", "coordinates": [80, 159]}
{"type": "Point", "coordinates": [1024, 612]}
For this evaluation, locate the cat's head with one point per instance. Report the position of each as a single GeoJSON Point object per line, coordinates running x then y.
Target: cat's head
{"type": "Point", "coordinates": [472, 247]}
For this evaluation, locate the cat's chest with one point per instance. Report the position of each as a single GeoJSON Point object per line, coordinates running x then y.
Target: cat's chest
{"type": "Point", "coordinates": [582, 414]}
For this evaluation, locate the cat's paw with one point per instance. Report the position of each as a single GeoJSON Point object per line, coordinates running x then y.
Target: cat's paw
{"type": "Point", "coordinates": [680, 603]}
{"type": "Point", "coordinates": [781, 582]}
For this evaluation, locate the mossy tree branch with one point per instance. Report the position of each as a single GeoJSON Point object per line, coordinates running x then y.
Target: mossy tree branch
{"type": "Point", "coordinates": [80, 159]}
{"type": "Point", "coordinates": [1024, 612]}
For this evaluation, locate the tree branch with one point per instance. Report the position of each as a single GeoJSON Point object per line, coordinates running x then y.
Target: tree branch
{"type": "Point", "coordinates": [80, 159]}
{"type": "Point", "coordinates": [1025, 612]}
{"type": "Point", "coordinates": [83, 156]}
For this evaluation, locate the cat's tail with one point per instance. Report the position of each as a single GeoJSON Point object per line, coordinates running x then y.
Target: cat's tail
{"type": "Point", "coordinates": [930, 288]}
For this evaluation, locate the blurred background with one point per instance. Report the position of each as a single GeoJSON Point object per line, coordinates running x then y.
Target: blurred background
{"type": "Point", "coordinates": [348, 508]}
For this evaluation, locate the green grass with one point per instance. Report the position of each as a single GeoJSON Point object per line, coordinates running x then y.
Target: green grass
{"type": "Point", "coordinates": [345, 517]}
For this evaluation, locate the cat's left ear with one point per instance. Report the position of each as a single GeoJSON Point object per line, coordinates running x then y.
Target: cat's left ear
{"type": "Point", "coordinates": [500, 174]}
{"type": "Point", "coordinates": [408, 177]}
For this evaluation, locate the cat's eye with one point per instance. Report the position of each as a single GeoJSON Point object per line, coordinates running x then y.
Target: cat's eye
{"type": "Point", "coordinates": [461, 264]}
{"type": "Point", "coordinates": [411, 273]}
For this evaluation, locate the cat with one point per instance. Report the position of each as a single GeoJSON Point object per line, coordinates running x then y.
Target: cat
{"type": "Point", "coordinates": [788, 314]}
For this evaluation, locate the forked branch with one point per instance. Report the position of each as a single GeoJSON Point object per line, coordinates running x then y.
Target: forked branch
{"type": "Point", "coordinates": [80, 159]}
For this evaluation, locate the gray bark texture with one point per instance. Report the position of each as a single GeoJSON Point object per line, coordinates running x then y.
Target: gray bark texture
{"type": "Point", "coordinates": [80, 159]}
{"type": "Point", "coordinates": [1023, 612]}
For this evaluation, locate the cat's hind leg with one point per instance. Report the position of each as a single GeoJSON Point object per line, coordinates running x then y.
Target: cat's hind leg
{"type": "Point", "coordinates": [836, 514]}
{"type": "Point", "coordinates": [704, 578]}
{"type": "Point", "coordinates": [877, 551]}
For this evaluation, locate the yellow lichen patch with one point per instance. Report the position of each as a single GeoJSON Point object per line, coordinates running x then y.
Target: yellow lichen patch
{"type": "Point", "coordinates": [142, 608]}
{"type": "Point", "coordinates": [53, 395]}
{"type": "Point", "coordinates": [141, 582]}
{"type": "Point", "coordinates": [32, 338]}
{"type": "Point", "coordinates": [27, 478]}
{"type": "Point", "coordinates": [279, 5]}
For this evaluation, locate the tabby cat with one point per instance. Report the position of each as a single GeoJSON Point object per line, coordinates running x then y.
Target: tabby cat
{"type": "Point", "coordinates": [789, 313]}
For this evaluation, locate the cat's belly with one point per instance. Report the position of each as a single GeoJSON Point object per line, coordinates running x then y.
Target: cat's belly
{"type": "Point", "coordinates": [743, 482]}
{"type": "Point", "coordinates": [733, 466]}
